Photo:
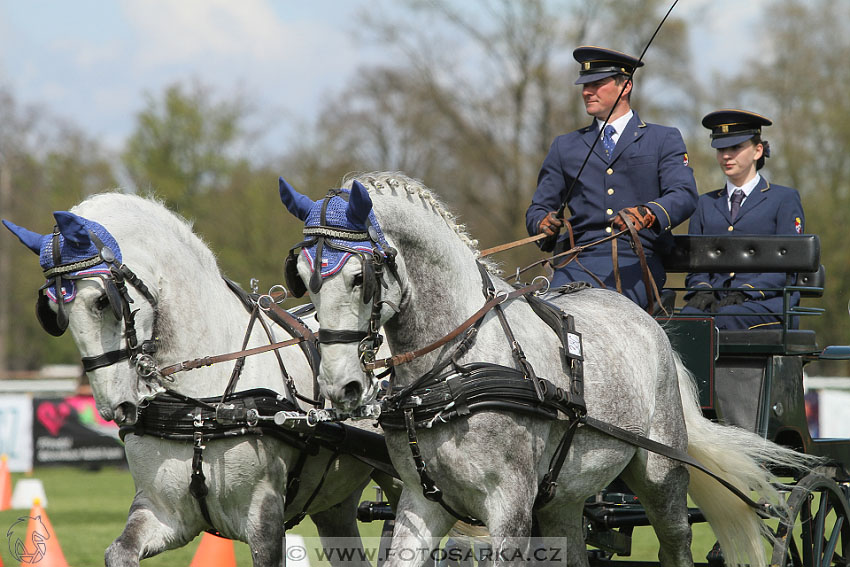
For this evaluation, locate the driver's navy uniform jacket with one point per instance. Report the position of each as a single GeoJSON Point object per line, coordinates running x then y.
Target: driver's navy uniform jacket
{"type": "Point", "coordinates": [649, 166]}
{"type": "Point", "coordinates": [769, 209]}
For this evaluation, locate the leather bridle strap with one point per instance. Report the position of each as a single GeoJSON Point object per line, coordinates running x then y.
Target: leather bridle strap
{"type": "Point", "coordinates": [411, 355]}
{"type": "Point", "coordinates": [91, 363]}
{"type": "Point", "coordinates": [293, 322]}
{"type": "Point", "coordinates": [333, 336]}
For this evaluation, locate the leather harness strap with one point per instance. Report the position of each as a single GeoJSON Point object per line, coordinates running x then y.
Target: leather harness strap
{"type": "Point", "coordinates": [652, 294]}
{"type": "Point", "coordinates": [675, 454]}
{"type": "Point", "coordinates": [493, 302]}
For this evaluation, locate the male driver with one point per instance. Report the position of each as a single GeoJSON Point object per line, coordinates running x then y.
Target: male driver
{"type": "Point", "coordinates": [635, 167]}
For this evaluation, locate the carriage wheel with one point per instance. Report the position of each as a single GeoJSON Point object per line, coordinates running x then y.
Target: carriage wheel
{"type": "Point", "coordinates": [819, 532]}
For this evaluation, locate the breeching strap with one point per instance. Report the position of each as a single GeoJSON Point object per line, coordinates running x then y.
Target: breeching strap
{"type": "Point", "coordinates": [411, 355]}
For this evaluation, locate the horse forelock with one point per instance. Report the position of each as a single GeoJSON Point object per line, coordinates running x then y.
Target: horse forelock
{"type": "Point", "coordinates": [394, 183]}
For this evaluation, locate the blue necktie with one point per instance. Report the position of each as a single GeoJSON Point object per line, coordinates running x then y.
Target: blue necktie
{"type": "Point", "coordinates": [737, 198]}
{"type": "Point", "coordinates": [608, 139]}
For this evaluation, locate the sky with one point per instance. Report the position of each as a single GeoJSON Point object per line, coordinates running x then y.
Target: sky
{"type": "Point", "coordinates": [93, 61]}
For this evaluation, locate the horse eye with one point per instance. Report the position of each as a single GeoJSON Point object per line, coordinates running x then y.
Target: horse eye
{"type": "Point", "coordinates": [358, 280]}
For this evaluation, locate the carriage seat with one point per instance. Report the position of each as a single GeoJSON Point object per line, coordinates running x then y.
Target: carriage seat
{"type": "Point", "coordinates": [745, 253]}
{"type": "Point", "coordinates": [798, 255]}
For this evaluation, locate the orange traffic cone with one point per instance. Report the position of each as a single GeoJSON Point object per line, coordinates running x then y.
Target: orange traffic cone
{"type": "Point", "coordinates": [214, 551]}
{"type": "Point", "coordinates": [41, 546]}
{"type": "Point", "coordinates": [5, 484]}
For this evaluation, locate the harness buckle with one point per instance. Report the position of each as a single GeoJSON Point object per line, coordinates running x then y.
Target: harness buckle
{"type": "Point", "coordinates": [198, 421]}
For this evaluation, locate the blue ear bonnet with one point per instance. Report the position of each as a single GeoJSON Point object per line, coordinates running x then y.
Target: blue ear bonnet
{"type": "Point", "coordinates": [336, 251]}
{"type": "Point", "coordinates": [72, 252]}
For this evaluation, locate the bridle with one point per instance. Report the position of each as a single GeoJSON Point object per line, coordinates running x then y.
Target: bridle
{"type": "Point", "coordinates": [140, 354]}
{"type": "Point", "coordinates": [374, 261]}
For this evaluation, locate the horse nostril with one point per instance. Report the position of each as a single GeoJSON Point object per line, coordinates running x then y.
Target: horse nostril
{"type": "Point", "coordinates": [125, 414]}
{"type": "Point", "coordinates": [352, 391]}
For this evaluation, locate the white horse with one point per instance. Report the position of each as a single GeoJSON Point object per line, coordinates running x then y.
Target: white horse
{"type": "Point", "coordinates": [490, 463]}
{"type": "Point", "coordinates": [198, 315]}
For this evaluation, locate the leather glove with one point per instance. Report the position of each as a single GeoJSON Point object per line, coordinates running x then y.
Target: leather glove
{"type": "Point", "coordinates": [732, 298]}
{"type": "Point", "coordinates": [640, 216]}
{"type": "Point", "coordinates": [702, 301]}
{"type": "Point", "coordinates": [551, 224]}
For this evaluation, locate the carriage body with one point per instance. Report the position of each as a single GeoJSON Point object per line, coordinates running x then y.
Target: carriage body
{"type": "Point", "coordinates": [751, 379]}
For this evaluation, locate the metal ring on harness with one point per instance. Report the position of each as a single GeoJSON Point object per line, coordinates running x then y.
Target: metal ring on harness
{"type": "Point", "coordinates": [281, 288]}
{"type": "Point", "coordinates": [545, 279]}
{"type": "Point", "coordinates": [145, 365]}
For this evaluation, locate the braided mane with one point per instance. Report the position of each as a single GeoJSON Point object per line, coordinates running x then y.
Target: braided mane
{"type": "Point", "coordinates": [379, 181]}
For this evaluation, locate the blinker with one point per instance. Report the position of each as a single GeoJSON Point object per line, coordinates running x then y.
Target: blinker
{"type": "Point", "coordinates": [53, 323]}
{"type": "Point", "coordinates": [114, 297]}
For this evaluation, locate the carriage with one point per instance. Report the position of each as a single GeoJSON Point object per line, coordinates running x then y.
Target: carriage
{"type": "Point", "coordinates": [751, 379]}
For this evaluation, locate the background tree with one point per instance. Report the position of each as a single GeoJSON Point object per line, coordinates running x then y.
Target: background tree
{"type": "Point", "coordinates": [479, 93]}
{"type": "Point", "coordinates": [185, 144]}
{"type": "Point", "coordinates": [46, 165]}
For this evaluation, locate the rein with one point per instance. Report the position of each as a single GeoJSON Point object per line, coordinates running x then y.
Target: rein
{"type": "Point", "coordinates": [489, 305]}
{"type": "Point", "coordinates": [210, 360]}
{"type": "Point", "coordinates": [570, 255]}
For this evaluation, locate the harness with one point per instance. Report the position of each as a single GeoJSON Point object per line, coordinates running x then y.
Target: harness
{"type": "Point", "coordinates": [173, 416]}
{"type": "Point", "coordinates": [451, 390]}
{"type": "Point", "coordinates": [257, 412]}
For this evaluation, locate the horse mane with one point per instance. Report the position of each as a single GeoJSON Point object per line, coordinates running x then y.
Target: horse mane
{"type": "Point", "coordinates": [146, 209]}
{"type": "Point", "coordinates": [378, 181]}
{"type": "Point", "coordinates": [128, 217]}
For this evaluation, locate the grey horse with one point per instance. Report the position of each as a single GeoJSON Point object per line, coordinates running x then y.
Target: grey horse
{"type": "Point", "coordinates": [198, 316]}
{"type": "Point", "coordinates": [489, 464]}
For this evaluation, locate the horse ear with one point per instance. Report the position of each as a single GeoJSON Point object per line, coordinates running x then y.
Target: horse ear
{"type": "Point", "coordinates": [28, 238]}
{"type": "Point", "coordinates": [73, 228]}
{"type": "Point", "coordinates": [359, 205]}
{"type": "Point", "coordinates": [297, 204]}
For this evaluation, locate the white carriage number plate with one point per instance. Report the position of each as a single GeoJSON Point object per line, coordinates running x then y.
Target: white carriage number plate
{"type": "Point", "coordinates": [574, 344]}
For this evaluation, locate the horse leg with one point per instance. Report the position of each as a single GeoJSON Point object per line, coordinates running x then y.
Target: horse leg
{"type": "Point", "coordinates": [337, 527]}
{"type": "Point", "coordinates": [419, 527]}
{"type": "Point", "coordinates": [662, 487]}
{"type": "Point", "coordinates": [145, 535]}
{"type": "Point", "coordinates": [562, 527]}
{"type": "Point", "coordinates": [265, 532]}
{"type": "Point", "coordinates": [509, 524]}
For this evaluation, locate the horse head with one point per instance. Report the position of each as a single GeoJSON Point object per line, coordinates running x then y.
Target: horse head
{"type": "Point", "coordinates": [85, 292]}
{"type": "Point", "coordinates": [353, 299]}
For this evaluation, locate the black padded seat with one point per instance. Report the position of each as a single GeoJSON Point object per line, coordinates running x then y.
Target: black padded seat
{"type": "Point", "coordinates": [768, 341]}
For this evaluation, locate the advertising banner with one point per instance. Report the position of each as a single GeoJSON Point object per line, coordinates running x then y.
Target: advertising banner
{"type": "Point", "coordinates": [70, 431]}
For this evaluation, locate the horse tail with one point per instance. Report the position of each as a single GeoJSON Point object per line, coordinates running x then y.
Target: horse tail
{"type": "Point", "coordinates": [742, 458]}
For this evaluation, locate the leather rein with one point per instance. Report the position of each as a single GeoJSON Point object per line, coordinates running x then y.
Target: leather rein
{"type": "Point", "coordinates": [141, 354]}
{"type": "Point", "coordinates": [572, 254]}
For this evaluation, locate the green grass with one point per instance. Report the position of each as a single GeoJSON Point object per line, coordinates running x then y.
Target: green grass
{"type": "Point", "coordinates": [88, 509]}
